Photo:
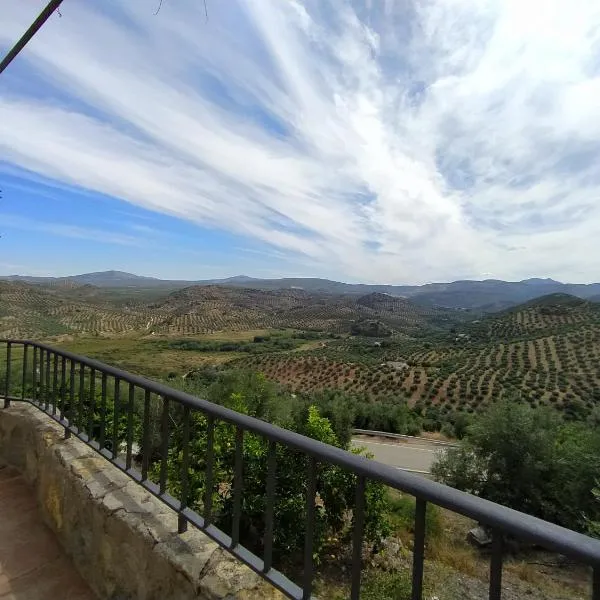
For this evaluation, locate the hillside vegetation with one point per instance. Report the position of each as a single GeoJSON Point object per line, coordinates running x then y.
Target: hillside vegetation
{"type": "Point", "coordinates": [35, 311]}
{"type": "Point", "coordinates": [441, 361]}
{"type": "Point", "coordinates": [545, 352]}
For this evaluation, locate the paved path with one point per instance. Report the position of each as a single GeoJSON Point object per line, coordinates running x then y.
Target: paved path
{"type": "Point", "coordinates": [409, 455]}
{"type": "Point", "coordinates": [32, 564]}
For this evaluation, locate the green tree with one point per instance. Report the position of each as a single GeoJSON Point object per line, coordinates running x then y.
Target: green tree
{"type": "Point", "coordinates": [335, 488]}
{"type": "Point", "coordinates": [530, 460]}
{"type": "Point", "coordinates": [594, 525]}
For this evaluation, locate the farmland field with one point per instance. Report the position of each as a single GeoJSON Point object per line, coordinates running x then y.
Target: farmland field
{"type": "Point", "coordinates": [438, 361]}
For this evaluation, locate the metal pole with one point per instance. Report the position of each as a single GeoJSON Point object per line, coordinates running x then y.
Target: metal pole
{"type": "Point", "coordinates": [33, 29]}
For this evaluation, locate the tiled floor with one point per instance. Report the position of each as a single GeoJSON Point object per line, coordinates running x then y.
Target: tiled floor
{"type": "Point", "coordinates": [32, 564]}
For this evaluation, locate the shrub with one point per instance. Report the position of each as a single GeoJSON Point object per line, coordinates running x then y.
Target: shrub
{"type": "Point", "coordinates": [530, 460]}
{"type": "Point", "coordinates": [249, 393]}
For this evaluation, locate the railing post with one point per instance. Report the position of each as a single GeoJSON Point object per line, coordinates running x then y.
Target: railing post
{"type": "Point", "coordinates": [311, 493]}
{"type": "Point", "coordinates": [238, 482]}
{"type": "Point", "coordinates": [418, 549]}
{"type": "Point", "coordinates": [63, 387]}
{"type": "Point", "coordinates": [116, 417]}
{"type": "Point", "coordinates": [55, 390]}
{"type": "Point", "coordinates": [81, 404]}
{"type": "Point", "coordinates": [71, 408]}
{"type": "Point", "coordinates": [92, 407]}
{"type": "Point", "coordinates": [357, 538]}
{"type": "Point", "coordinates": [596, 582]}
{"type": "Point", "coordinates": [496, 566]}
{"type": "Point", "coordinates": [103, 411]}
{"type": "Point", "coordinates": [146, 436]}
{"type": "Point", "coordinates": [209, 478]}
{"type": "Point", "coordinates": [7, 381]}
{"type": "Point", "coordinates": [185, 467]}
{"type": "Point", "coordinates": [43, 398]}
{"type": "Point", "coordinates": [164, 446]}
{"type": "Point", "coordinates": [24, 374]}
{"type": "Point", "coordinates": [34, 373]}
{"type": "Point", "coordinates": [130, 407]}
{"type": "Point", "coordinates": [270, 506]}
{"type": "Point", "coordinates": [47, 383]}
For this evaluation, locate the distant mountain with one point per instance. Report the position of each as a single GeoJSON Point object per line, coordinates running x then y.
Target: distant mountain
{"type": "Point", "coordinates": [99, 279]}
{"type": "Point", "coordinates": [489, 295]}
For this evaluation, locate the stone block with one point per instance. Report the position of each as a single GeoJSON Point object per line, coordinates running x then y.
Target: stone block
{"type": "Point", "coordinates": [123, 540]}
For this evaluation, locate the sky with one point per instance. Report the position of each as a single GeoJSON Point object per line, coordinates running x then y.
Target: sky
{"type": "Point", "coordinates": [378, 141]}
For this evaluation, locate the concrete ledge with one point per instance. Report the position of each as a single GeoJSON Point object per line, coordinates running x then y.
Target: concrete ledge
{"type": "Point", "coordinates": [123, 541]}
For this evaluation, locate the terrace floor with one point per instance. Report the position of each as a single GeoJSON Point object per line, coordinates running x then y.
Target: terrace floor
{"type": "Point", "coordinates": [33, 566]}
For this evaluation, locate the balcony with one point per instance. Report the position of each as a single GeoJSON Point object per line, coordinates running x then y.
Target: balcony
{"type": "Point", "coordinates": [121, 430]}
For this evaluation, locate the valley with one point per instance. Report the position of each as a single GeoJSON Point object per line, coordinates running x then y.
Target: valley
{"type": "Point", "coordinates": [444, 364]}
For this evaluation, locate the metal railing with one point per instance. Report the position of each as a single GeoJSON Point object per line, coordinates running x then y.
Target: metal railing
{"type": "Point", "coordinates": [45, 372]}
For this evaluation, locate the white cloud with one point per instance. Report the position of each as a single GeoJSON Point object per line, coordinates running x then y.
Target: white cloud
{"type": "Point", "coordinates": [385, 142]}
{"type": "Point", "coordinates": [69, 231]}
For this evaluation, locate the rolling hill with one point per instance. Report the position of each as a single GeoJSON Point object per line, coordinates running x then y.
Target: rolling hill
{"type": "Point", "coordinates": [30, 310]}
{"type": "Point", "coordinates": [488, 295]}
{"type": "Point", "coordinates": [546, 351]}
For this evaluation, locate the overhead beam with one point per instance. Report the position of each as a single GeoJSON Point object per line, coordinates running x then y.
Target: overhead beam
{"type": "Point", "coordinates": [33, 29]}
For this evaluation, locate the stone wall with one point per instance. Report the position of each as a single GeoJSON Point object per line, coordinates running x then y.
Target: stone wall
{"type": "Point", "coordinates": [123, 541]}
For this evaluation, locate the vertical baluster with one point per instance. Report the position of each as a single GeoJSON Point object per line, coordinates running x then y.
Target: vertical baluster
{"type": "Point", "coordinates": [42, 396]}
{"type": "Point", "coordinates": [116, 418]}
{"type": "Point", "coordinates": [164, 445]}
{"type": "Point", "coordinates": [185, 467]}
{"type": "Point", "coordinates": [92, 408]}
{"type": "Point", "coordinates": [34, 368]}
{"type": "Point", "coordinates": [270, 506]}
{"type": "Point", "coordinates": [130, 407]}
{"type": "Point", "coordinates": [81, 420]}
{"type": "Point", "coordinates": [596, 583]}
{"type": "Point", "coordinates": [238, 482]}
{"type": "Point", "coordinates": [54, 382]}
{"type": "Point", "coordinates": [7, 381]}
{"type": "Point", "coordinates": [311, 492]}
{"type": "Point", "coordinates": [47, 386]}
{"type": "Point", "coordinates": [71, 407]}
{"type": "Point", "coordinates": [24, 375]}
{"type": "Point", "coordinates": [63, 386]}
{"type": "Point", "coordinates": [103, 412]}
{"type": "Point", "coordinates": [419, 549]}
{"type": "Point", "coordinates": [210, 463]}
{"type": "Point", "coordinates": [496, 566]}
{"type": "Point", "coordinates": [146, 436]}
{"type": "Point", "coordinates": [357, 537]}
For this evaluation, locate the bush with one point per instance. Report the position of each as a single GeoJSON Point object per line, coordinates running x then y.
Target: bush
{"type": "Point", "coordinates": [401, 509]}
{"type": "Point", "coordinates": [251, 393]}
{"type": "Point", "coordinates": [530, 460]}
{"type": "Point", "coordinates": [379, 585]}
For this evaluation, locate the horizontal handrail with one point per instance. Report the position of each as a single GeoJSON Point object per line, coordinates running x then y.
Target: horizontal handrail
{"type": "Point", "coordinates": [499, 518]}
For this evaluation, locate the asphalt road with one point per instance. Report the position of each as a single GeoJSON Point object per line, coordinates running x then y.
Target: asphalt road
{"type": "Point", "coordinates": [411, 455]}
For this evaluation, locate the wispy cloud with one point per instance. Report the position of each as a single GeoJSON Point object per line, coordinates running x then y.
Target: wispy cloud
{"type": "Point", "coordinates": [382, 141]}
{"type": "Point", "coordinates": [69, 231]}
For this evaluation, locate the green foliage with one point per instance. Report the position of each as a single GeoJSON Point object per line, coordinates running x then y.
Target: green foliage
{"type": "Point", "coordinates": [530, 460]}
{"type": "Point", "coordinates": [381, 585]}
{"type": "Point", "coordinates": [260, 344]}
{"type": "Point", "coordinates": [594, 525]}
{"type": "Point", "coordinates": [401, 510]}
{"type": "Point", "coordinates": [370, 328]}
{"type": "Point", "coordinates": [250, 393]}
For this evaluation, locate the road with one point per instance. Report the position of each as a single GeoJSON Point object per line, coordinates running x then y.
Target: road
{"type": "Point", "coordinates": [409, 455]}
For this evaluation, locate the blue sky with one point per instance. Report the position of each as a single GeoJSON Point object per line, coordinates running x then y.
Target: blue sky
{"type": "Point", "coordinates": [374, 141]}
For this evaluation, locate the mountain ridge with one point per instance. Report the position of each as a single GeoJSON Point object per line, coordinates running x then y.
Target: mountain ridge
{"type": "Point", "coordinates": [488, 295]}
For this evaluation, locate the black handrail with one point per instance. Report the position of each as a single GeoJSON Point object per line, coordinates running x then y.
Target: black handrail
{"type": "Point", "coordinates": [500, 519]}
